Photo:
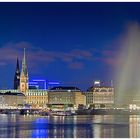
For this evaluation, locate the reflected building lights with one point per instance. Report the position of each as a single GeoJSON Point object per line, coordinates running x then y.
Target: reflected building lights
{"type": "Point", "coordinates": [41, 126]}
{"type": "Point", "coordinates": [98, 126]}
{"type": "Point", "coordinates": [134, 127]}
{"type": "Point", "coordinates": [75, 128]}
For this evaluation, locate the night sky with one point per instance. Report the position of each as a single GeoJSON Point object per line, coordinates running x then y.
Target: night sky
{"type": "Point", "coordinates": [72, 43]}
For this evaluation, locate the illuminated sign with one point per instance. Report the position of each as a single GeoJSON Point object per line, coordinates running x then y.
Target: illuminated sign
{"type": "Point", "coordinates": [53, 83]}
{"type": "Point", "coordinates": [97, 83]}
{"type": "Point", "coordinates": [39, 83]}
{"type": "Point", "coordinates": [40, 80]}
{"type": "Point", "coordinates": [42, 83]}
{"type": "Point", "coordinates": [33, 82]}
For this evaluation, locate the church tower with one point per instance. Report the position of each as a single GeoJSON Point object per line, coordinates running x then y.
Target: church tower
{"type": "Point", "coordinates": [24, 76]}
{"type": "Point", "coordinates": [17, 76]}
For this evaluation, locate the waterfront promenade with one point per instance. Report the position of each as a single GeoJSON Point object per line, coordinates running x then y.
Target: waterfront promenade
{"type": "Point", "coordinates": [44, 112]}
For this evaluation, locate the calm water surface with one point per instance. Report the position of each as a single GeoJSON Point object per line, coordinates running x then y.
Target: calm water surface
{"type": "Point", "coordinates": [98, 126]}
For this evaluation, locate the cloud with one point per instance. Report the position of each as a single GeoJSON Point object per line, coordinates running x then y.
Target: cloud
{"type": "Point", "coordinates": [108, 57]}
{"type": "Point", "coordinates": [108, 52]}
{"type": "Point", "coordinates": [36, 55]}
{"type": "Point", "coordinates": [80, 54]}
{"type": "Point", "coordinates": [23, 44]}
{"type": "Point", "coordinates": [109, 61]}
{"type": "Point", "coordinates": [74, 59]}
{"type": "Point", "coordinates": [76, 65]}
{"type": "Point", "coordinates": [66, 57]}
{"type": "Point", "coordinates": [74, 54]}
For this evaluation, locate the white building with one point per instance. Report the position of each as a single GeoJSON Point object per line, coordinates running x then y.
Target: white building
{"type": "Point", "coordinates": [13, 99]}
{"type": "Point", "coordinates": [100, 97]}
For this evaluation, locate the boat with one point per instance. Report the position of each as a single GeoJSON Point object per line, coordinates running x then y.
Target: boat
{"type": "Point", "coordinates": [61, 113]}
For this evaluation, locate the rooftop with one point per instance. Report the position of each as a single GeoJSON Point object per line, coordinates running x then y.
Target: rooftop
{"type": "Point", "coordinates": [95, 87]}
{"type": "Point", "coordinates": [12, 93]}
{"type": "Point", "coordinates": [64, 88]}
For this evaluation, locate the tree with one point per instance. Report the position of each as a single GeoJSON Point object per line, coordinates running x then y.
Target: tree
{"type": "Point", "coordinates": [70, 105]}
{"type": "Point", "coordinates": [80, 107]}
{"type": "Point", "coordinates": [49, 105]}
{"type": "Point", "coordinates": [102, 105]}
{"type": "Point", "coordinates": [92, 106]}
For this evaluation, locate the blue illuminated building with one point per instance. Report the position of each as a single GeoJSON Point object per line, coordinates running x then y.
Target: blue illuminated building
{"type": "Point", "coordinates": [38, 84]}
{"type": "Point", "coordinates": [42, 84]}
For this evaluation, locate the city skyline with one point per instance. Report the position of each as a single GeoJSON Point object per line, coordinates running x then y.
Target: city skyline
{"type": "Point", "coordinates": [69, 69]}
{"type": "Point", "coordinates": [65, 42]}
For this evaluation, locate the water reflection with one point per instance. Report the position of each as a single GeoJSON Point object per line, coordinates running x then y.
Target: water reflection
{"type": "Point", "coordinates": [41, 128]}
{"type": "Point", "coordinates": [134, 123]}
{"type": "Point", "coordinates": [97, 126]}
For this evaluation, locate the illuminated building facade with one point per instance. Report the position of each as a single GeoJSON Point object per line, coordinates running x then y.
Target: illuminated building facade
{"type": "Point", "coordinates": [8, 98]}
{"type": "Point", "coordinates": [37, 97]}
{"type": "Point", "coordinates": [100, 96]}
{"type": "Point", "coordinates": [66, 96]}
{"type": "Point", "coordinates": [103, 95]}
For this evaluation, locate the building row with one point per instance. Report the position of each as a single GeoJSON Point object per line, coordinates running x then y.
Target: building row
{"type": "Point", "coordinates": [56, 97]}
{"type": "Point", "coordinates": [60, 97]}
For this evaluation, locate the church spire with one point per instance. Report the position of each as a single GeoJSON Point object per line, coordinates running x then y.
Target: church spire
{"type": "Point", "coordinates": [17, 67]}
{"type": "Point", "coordinates": [17, 76]}
{"type": "Point", "coordinates": [24, 67]}
{"type": "Point", "coordinates": [24, 75]}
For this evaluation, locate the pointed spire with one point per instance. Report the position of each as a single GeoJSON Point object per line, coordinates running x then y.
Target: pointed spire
{"type": "Point", "coordinates": [24, 75]}
{"type": "Point", "coordinates": [24, 57]}
{"type": "Point", "coordinates": [17, 67]}
{"type": "Point", "coordinates": [17, 76]}
{"type": "Point", "coordinates": [24, 67]}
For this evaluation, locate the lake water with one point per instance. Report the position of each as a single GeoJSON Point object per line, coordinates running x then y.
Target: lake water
{"type": "Point", "coordinates": [97, 126]}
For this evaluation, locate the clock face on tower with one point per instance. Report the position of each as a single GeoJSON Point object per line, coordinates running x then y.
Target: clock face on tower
{"type": "Point", "coordinates": [23, 84]}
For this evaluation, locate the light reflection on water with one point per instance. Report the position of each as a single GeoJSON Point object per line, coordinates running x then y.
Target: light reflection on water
{"type": "Point", "coordinates": [98, 126]}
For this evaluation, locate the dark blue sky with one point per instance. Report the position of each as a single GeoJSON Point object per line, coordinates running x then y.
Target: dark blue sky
{"type": "Point", "coordinates": [73, 43]}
